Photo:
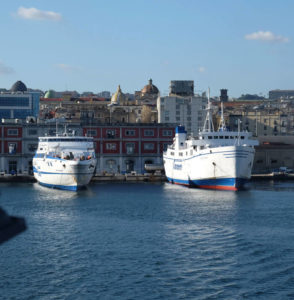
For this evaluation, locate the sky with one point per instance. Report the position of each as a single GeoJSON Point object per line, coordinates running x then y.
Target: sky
{"type": "Point", "coordinates": [245, 46]}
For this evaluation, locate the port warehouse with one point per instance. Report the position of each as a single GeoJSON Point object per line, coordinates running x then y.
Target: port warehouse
{"type": "Point", "coordinates": [119, 148]}
{"type": "Point", "coordinates": [123, 148]}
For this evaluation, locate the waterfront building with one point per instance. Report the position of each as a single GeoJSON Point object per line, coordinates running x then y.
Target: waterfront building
{"type": "Point", "coordinates": [120, 148]}
{"type": "Point", "coordinates": [19, 103]}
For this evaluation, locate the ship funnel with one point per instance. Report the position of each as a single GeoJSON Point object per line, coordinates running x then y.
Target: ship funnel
{"type": "Point", "coordinates": [181, 135]}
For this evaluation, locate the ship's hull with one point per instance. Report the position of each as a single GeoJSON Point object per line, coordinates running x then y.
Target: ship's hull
{"type": "Point", "coordinates": [225, 168]}
{"type": "Point", "coordinates": [63, 174]}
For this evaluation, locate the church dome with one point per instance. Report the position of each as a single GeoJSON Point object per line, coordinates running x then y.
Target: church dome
{"type": "Point", "coordinates": [19, 86]}
{"type": "Point", "coordinates": [118, 97]}
{"type": "Point", "coordinates": [50, 94]}
{"type": "Point", "coordinates": [150, 88]}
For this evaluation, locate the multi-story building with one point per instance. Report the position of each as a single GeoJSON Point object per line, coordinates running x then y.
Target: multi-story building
{"type": "Point", "coordinates": [119, 148]}
{"type": "Point", "coordinates": [181, 88]}
{"type": "Point", "coordinates": [263, 122]}
{"type": "Point", "coordinates": [186, 111]}
{"type": "Point", "coordinates": [19, 103]}
{"type": "Point", "coordinates": [277, 94]}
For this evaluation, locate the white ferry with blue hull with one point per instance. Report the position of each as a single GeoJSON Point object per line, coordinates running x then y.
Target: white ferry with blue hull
{"type": "Point", "coordinates": [214, 160]}
{"type": "Point", "coordinates": [64, 162]}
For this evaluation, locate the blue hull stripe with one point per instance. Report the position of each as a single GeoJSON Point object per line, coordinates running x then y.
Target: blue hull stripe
{"type": "Point", "coordinates": [229, 182]}
{"type": "Point", "coordinates": [61, 187]}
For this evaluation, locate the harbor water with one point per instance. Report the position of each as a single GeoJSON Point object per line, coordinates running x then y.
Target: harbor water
{"type": "Point", "coordinates": [149, 241]}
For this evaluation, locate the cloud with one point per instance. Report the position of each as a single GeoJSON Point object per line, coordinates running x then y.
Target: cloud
{"type": "Point", "coordinates": [5, 70]}
{"type": "Point", "coordinates": [201, 69]}
{"type": "Point", "coordinates": [266, 36]}
{"type": "Point", "coordinates": [36, 14]}
{"type": "Point", "coordinates": [67, 68]}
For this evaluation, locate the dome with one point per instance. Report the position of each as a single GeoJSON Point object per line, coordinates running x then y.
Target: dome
{"type": "Point", "coordinates": [150, 88]}
{"type": "Point", "coordinates": [118, 97]}
{"type": "Point", "coordinates": [50, 94]}
{"type": "Point", "coordinates": [19, 86]}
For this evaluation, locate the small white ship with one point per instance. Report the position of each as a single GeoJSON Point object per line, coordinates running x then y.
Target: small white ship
{"type": "Point", "coordinates": [214, 160]}
{"type": "Point", "coordinates": [64, 162]}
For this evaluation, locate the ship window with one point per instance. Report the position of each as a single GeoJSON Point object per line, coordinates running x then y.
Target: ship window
{"type": "Point", "coordinates": [231, 137]}
{"type": "Point", "coordinates": [210, 137]}
{"type": "Point", "coordinates": [215, 137]}
{"type": "Point", "coordinates": [226, 137]}
{"type": "Point", "coordinates": [242, 137]}
{"type": "Point", "coordinates": [221, 137]}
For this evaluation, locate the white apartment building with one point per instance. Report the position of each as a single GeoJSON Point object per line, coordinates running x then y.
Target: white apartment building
{"type": "Point", "coordinates": [187, 111]}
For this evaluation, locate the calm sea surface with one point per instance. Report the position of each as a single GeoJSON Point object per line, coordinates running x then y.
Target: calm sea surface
{"type": "Point", "coordinates": [149, 241]}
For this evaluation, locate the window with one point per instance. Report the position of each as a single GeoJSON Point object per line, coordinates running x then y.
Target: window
{"type": "Point", "coordinates": [188, 118]}
{"type": "Point", "coordinates": [23, 102]}
{"type": "Point", "coordinates": [149, 132]}
{"type": "Point", "coordinates": [12, 132]}
{"type": "Point", "coordinates": [215, 137]}
{"type": "Point", "coordinates": [180, 153]}
{"type": "Point", "coordinates": [177, 112]}
{"type": "Point", "coordinates": [130, 132]}
{"type": "Point", "coordinates": [172, 153]}
{"type": "Point", "coordinates": [178, 106]}
{"type": "Point", "coordinates": [274, 161]}
{"type": "Point", "coordinates": [32, 147]}
{"type": "Point", "coordinates": [12, 148]}
{"type": "Point", "coordinates": [130, 148]}
{"type": "Point", "coordinates": [226, 137]}
{"type": "Point", "coordinates": [91, 132]}
{"type": "Point", "coordinates": [110, 133]}
{"type": "Point", "coordinates": [148, 146]}
{"type": "Point", "coordinates": [210, 137]}
{"type": "Point", "coordinates": [259, 161]}
{"type": "Point", "coordinates": [178, 118]}
{"type": "Point", "coordinates": [110, 146]}
{"type": "Point", "coordinates": [264, 127]}
{"type": "Point", "coordinates": [33, 132]}
{"type": "Point", "coordinates": [166, 118]}
{"type": "Point", "coordinates": [167, 133]}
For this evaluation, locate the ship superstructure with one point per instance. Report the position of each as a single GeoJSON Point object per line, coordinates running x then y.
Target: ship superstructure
{"type": "Point", "coordinates": [214, 159]}
{"type": "Point", "coordinates": [64, 162]}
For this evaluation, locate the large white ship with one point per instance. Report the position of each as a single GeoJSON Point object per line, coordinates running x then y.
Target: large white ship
{"type": "Point", "coordinates": [214, 160]}
{"type": "Point", "coordinates": [64, 162]}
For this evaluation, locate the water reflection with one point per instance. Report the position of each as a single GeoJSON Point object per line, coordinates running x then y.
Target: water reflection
{"type": "Point", "coordinates": [50, 194]}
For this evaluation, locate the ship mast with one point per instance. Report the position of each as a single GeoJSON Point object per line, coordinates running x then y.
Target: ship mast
{"type": "Point", "coordinates": [222, 124]}
{"type": "Point", "coordinates": [208, 124]}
